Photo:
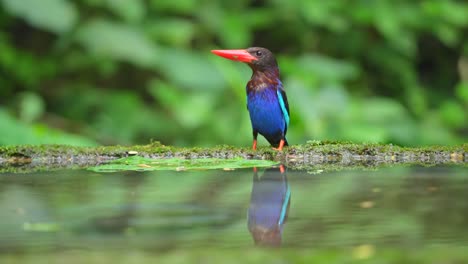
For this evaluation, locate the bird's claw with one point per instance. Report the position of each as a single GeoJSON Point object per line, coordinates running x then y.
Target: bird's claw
{"type": "Point", "coordinates": [280, 146]}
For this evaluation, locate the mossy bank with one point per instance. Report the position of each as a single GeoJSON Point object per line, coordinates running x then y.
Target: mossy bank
{"type": "Point", "coordinates": [313, 154]}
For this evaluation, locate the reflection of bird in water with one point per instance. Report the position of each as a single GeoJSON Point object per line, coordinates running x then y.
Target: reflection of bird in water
{"type": "Point", "coordinates": [269, 206]}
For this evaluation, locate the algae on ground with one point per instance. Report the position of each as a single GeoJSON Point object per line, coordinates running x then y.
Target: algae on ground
{"type": "Point", "coordinates": [136, 163]}
{"type": "Point", "coordinates": [306, 156]}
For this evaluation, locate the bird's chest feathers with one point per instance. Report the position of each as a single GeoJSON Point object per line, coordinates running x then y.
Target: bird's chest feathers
{"type": "Point", "coordinates": [262, 88]}
{"type": "Point", "coordinates": [263, 80]}
{"type": "Point", "coordinates": [259, 98]}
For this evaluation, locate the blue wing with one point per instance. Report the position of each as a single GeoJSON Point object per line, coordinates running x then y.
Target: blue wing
{"type": "Point", "coordinates": [283, 101]}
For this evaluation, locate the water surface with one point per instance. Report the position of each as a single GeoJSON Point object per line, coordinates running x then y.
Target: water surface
{"type": "Point", "coordinates": [399, 212]}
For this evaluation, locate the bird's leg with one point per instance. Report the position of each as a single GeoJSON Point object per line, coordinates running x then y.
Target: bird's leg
{"type": "Point", "coordinates": [281, 145]}
{"type": "Point", "coordinates": [254, 144]}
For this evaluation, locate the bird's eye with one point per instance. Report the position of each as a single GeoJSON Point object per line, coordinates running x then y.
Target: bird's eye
{"type": "Point", "coordinates": [258, 53]}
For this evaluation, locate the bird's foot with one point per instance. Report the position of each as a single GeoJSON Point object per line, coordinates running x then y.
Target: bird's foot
{"type": "Point", "coordinates": [280, 146]}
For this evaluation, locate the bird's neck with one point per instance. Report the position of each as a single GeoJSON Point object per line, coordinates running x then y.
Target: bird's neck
{"type": "Point", "coordinates": [264, 79]}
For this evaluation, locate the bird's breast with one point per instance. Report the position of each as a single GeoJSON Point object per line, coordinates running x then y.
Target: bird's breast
{"type": "Point", "coordinates": [265, 111]}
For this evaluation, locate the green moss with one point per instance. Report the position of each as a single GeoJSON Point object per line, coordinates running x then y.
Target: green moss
{"type": "Point", "coordinates": [136, 163]}
{"type": "Point", "coordinates": [333, 154]}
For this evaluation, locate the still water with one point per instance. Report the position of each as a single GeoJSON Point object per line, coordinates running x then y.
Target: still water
{"type": "Point", "coordinates": [395, 214]}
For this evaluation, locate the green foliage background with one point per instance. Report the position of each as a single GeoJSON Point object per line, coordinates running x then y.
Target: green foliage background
{"type": "Point", "coordinates": [118, 71]}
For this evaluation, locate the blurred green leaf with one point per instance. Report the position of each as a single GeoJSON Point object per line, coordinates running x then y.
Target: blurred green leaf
{"type": "Point", "coordinates": [190, 111]}
{"type": "Point", "coordinates": [462, 92]}
{"type": "Point", "coordinates": [118, 41]}
{"type": "Point", "coordinates": [58, 16]}
{"type": "Point", "coordinates": [124, 116]}
{"type": "Point", "coordinates": [381, 110]}
{"type": "Point", "coordinates": [178, 32]}
{"type": "Point", "coordinates": [434, 131]}
{"type": "Point", "coordinates": [31, 107]}
{"type": "Point", "coordinates": [385, 19]}
{"type": "Point", "coordinates": [365, 133]}
{"type": "Point", "coordinates": [128, 71]}
{"type": "Point", "coordinates": [15, 132]}
{"type": "Point", "coordinates": [24, 67]}
{"type": "Point", "coordinates": [453, 114]}
{"type": "Point", "coordinates": [235, 31]}
{"type": "Point", "coordinates": [179, 6]}
{"type": "Point", "coordinates": [131, 11]}
{"type": "Point", "coordinates": [189, 70]}
{"type": "Point", "coordinates": [328, 69]}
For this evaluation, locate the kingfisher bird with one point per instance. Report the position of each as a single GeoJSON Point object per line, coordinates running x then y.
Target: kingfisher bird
{"type": "Point", "coordinates": [266, 99]}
